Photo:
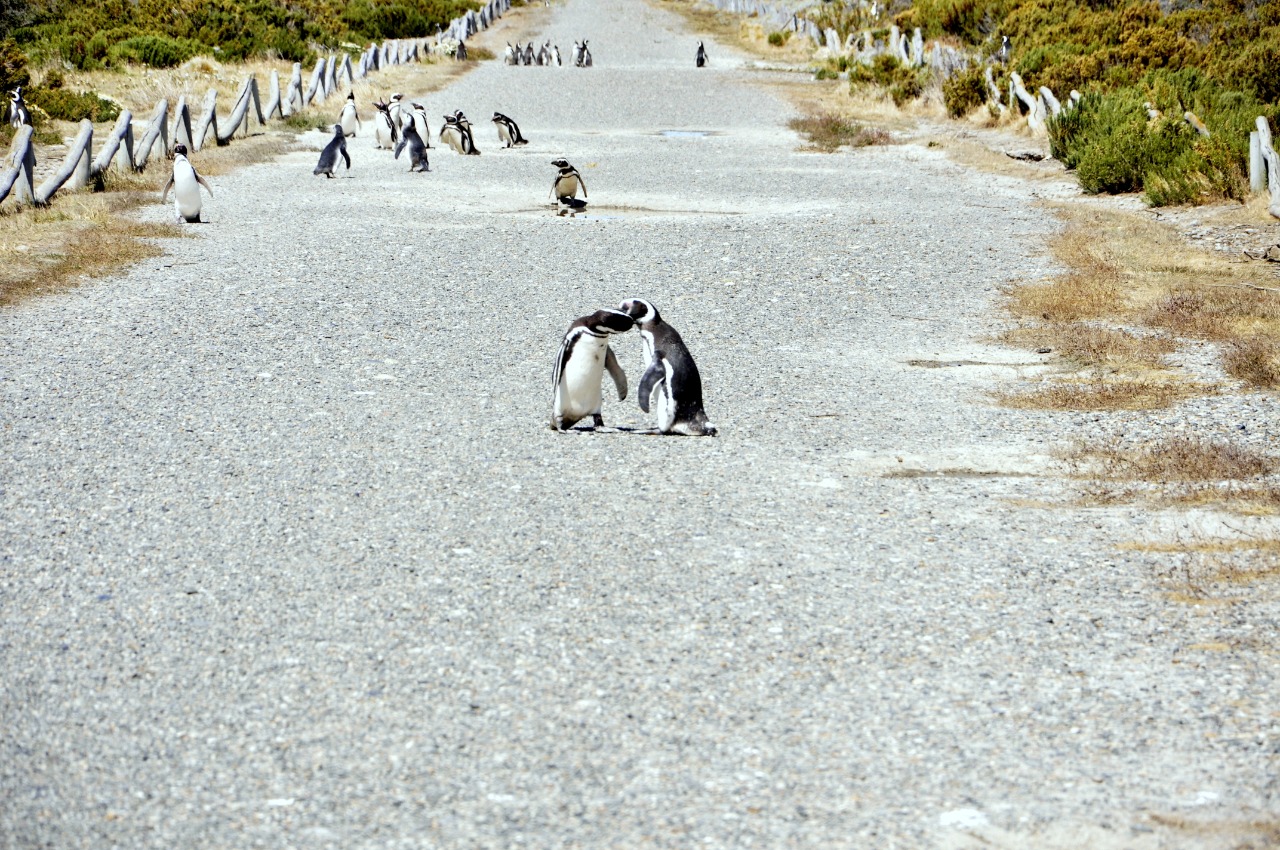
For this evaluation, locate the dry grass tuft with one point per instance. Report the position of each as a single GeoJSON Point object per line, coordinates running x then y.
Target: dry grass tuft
{"type": "Point", "coordinates": [827, 132]}
{"type": "Point", "coordinates": [83, 236]}
{"type": "Point", "coordinates": [1093, 345]}
{"type": "Point", "coordinates": [1181, 459]}
{"type": "Point", "coordinates": [1254, 360]}
{"type": "Point", "coordinates": [1104, 394]}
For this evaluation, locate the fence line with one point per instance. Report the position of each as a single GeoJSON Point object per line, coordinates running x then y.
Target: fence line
{"type": "Point", "coordinates": [80, 168]}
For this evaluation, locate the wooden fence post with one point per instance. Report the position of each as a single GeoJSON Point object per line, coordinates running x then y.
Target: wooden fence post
{"type": "Point", "coordinates": [156, 131]}
{"type": "Point", "coordinates": [21, 160]}
{"type": "Point", "coordinates": [208, 120]}
{"type": "Point", "coordinates": [117, 139]}
{"type": "Point", "coordinates": [75, 168]}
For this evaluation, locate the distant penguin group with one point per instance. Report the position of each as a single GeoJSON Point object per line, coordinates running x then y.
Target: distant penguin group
{"type": "Point", "coordinates": [670, 383]}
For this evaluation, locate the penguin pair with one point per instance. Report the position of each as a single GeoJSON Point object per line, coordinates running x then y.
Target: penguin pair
{"type": "Point", "coordinates": [671, 376]}
{"type": "Point", "coordinates": [329, 156]}
{"type": "Point", "coordinates": [508, 131]}
{"type": "Point", "coordinates": [581, 55]}
{"type": "Point", "coordinates": [185, 183]}
{"type": "Point", "coordinates": [456, 133]}
{"type": "Point", "coordinates": [565, 185]}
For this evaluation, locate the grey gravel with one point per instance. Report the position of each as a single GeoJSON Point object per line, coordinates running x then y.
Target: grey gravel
{"type": "Point", "coordinates": [289, 557]}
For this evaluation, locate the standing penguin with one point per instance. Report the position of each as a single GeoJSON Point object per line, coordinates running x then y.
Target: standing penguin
{"type": "Point", "coordinates": [555, 56]}
{"type": "Point", "coordinates": [461, 55]}
{"type": "Point", "coordinates": [417, 150]}
{"type": "Point", "coordinates": [580, 366]}
{"type": "Point", "coordinates": [349, 117]}
{"type": "Point", "coordinates": [329, 156]}
{"type": "Point", "coordinates": [467, 140]}
{"type": "Point", "coordinates": [451, 134]}
{"type": "Point", "coordinates": [186, 184]}
{"type": "Point", "coordinates": [18, 114]}
{"type": "Point", "coordinates": [508, 131]}
{"type": "Point", "coordinates": [670, 372]}
{"type": "Point", "coordinates": [564, 188]}
{"type": "Point", "coordinates": [701, 59]}
{"type": "Point", "coordinates": [384, 128]}
{"type": "Point", "coordinates": [420, 124]}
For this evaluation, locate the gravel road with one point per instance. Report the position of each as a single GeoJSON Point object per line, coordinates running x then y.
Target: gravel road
{"type": "Point", "coordinates": [289, 557]}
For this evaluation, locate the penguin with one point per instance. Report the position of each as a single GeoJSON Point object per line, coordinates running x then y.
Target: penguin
{"type": "Point", "coordinates": [580, 365]}
{"type": "Point", "coordinates": [508, 130]}
{"type": "Point", "coordinates": [186, 183]}
{"type": "Point", "coordinates": [384, 128]}
{"type": "Point", "coordinates": [18, 114]}
{"type": "Point", "coordinates": [564, 188]}
{"type": "Point", "coordinates": [509, 55]}
{"type": "Point", "coordinates": [527, 57]}
{"type": "Point", "coordinates": [461, 55]}
{"type": "Point", "coordinates": [417, 150]}
{"type": "Point", "coordinates": [329, 156]}
{"type": "Point", "coordinates": [399, 114]}
{"type": "Point", "coordinates": [349, 117]}
{"type": "Point", "coordinates": [420, 124]}
{"type": "Point", "coordinates": [451, 134]}
{"type": "Point", "coordinates": [555, 56]}
{"type": "Point", "coordinates": [701, 58]}
{"type": "Point", "coordinates": [468, 140]}
{"type": "Point", "coordinates": [586, 54]}
{"type": "Point", "coordinates": [1003, 55]}
{"type": "Point", "coordinates": [670, 373]}
{"type": "Point", "coordinates": [577, 55]}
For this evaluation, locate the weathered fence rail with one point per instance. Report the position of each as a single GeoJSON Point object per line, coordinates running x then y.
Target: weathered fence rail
{"type": "Point", "coordinates": [80, 168]}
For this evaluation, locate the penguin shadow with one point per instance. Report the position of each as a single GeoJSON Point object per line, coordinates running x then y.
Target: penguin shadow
{"type": "Point", "coordinates": [634, 430]}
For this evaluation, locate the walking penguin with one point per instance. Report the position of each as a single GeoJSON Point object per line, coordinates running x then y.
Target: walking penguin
{"type": "Point", "coordinates": [185, 183]}
{"type": "Point", "coordinates": [329, 156]}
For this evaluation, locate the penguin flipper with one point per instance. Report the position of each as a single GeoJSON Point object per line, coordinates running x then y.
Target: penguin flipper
{"type": "Point", "coordinates": [164, 194]}
{"type": "Point", "coordinates": [615, 372]}
{"type": "Point", "coordinates": [400, 146]}
{"type": "Point", "coordinates": [343, 150]}
{"type": "Point", "coordinates": [583, 184]}
{"type": "Point", "coordinates": [202, 182]}
{"type": "Point", "coordinates": [653, 376]}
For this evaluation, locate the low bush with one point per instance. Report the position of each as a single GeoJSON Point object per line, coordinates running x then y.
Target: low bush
{"type": "Point", "coordinates": [964, 92]}
{"type": "Point", "coordinates": [156, 51]}
{"type": "Point", "coordinates": [66, 105]}
{"type": "Point", "coordinates": [902, 82]}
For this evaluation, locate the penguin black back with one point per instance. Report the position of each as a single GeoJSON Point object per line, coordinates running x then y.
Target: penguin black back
{"type": "Point", "coordinates": [329, 156]}
{"type": "Point", "coordinates": [701, 59]}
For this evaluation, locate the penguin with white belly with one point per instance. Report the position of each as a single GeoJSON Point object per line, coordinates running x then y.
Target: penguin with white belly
{"type": "Point", "coordinates": [185, 183]}
{"type": "Point", "coordinates": [670, 374]}
{"type": "Point", "coordinates": [349, 118]}
{"type": "Point", "coordinates": [580, 365]}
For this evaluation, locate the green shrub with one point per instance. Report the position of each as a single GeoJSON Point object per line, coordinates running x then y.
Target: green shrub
{"type": "Point", "coordinates": [903, 83]}
{"type": "Point", "coordinates": [13, 66]}
{"type": "Point", "coordinates": [65, 105]}
{"type": "Point", "coordinates": [964, 92]}
{"type": "Point", "coordinates": [157, 51]}
{"type": "Point", "coordinates": [777, 39]}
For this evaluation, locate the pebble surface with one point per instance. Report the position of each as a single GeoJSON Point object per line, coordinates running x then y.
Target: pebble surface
{"type": "Point", "coordinates": [290, 558]}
